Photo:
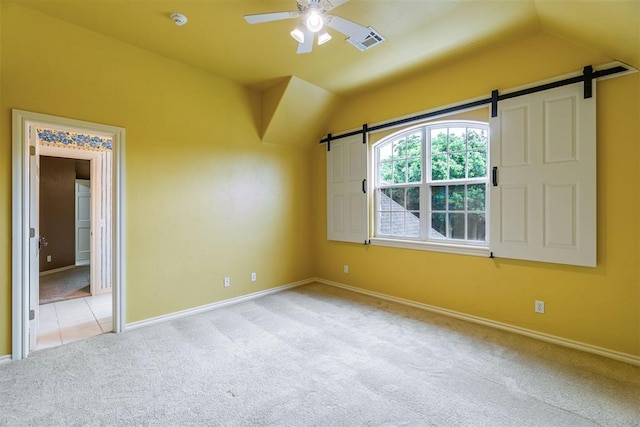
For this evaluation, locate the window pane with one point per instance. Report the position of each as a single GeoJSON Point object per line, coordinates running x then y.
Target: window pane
{"type": "Point", "coordinates": [413, 198]}
{"type": "Point", "coordinates": [476, 197]}
{"type": "Point", "coordinates": [457, 139]}
{"type": "Point", "coordinates": [386, 172]}
{"type": "Point", "coordinates": [477, 139]}
{"type": "Point", "coordinates": [384, 223]}
{"type": "Point", "coordinates": [415, 170]}
{"type": "Point", "coordinates": [438, 141]}
{"type": "Point", "coordinates": [384, 152]}
{"type": "Point", "coordinates": [414, 145]}
{"type": "Point", "coordinates": [384, 199]}
{"type": "Point", "coordinates": [438, 226]}
{"type": "Point", "coordinates": [456, 226]}
{"type": "Point", "coordinates": [456, 197]}
{"type": "Point", "coordinates": [397, 195]}
{"type": "Point", "coordinates": [477, 164]}
{"type": "Point", "coordinates": [397, 223]}
{"type": "Point", "coordinates": [400, 172]}
{"type": "Point", "coordinates": [400, 149]}
{"type": "Point", "coordinates": [476, 227]}
{"type": "Point", "coordinates": [438, 198]}
{"type": "Point", "coordinates": [439, 167]}
{"type": "Point", "coordinates": [457, 166]}
{"type": "Point", "coordinates": [412, 221]}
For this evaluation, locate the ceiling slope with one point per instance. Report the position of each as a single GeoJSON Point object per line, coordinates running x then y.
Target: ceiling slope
{"type": "Point", "coordinates": [295, 112]}
{"type": "Point", "coordinates": [611, 27]}
{"type": "Point", "coordinates": [419, 33]}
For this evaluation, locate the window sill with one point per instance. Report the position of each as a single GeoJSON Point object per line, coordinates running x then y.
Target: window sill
{"type": "Point", "coordinates": [481, 251]}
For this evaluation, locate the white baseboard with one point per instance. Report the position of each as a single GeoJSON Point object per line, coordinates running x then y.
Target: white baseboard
{"type": "Point", "coordinates": [612, 354]}
{"type": "Point", "coordinates": [5, 359]}
{"type": "Point", "coordinates": [83, 262]}
{"type": "Point", "coordinates": [215, 305]}
{"type": "Point", "coordinates": [57, 270]}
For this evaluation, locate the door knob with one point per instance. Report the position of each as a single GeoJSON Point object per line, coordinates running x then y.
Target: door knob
{"type": "Point", "coordinates": [42, 242]}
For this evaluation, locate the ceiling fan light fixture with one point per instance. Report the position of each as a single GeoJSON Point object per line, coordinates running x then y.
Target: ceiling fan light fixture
{"type": "Point", "coordinates": [314, 20]}
{"type": "Point", "coordinates": [323, 37]}
{"type": "Point", "coordinates": [298, 34]}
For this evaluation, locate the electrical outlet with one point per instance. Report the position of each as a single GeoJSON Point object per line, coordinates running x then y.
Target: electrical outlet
{"type": "Point", "coordinates": [227, 282]}
{"type": "Point", "coordinates": [539, 307]}
{"type": "Point", "coordinates": [254, 277]}
{"type": "Point", "coordinates": [48, 258]}
{"type": "Point", "coordinates": [346, 269]}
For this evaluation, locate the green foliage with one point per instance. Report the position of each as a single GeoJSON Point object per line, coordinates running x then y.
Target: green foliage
{"type": "Point", "coordinates": [457, 154]}
{"type": "Point", "coordinates": [403, 163]}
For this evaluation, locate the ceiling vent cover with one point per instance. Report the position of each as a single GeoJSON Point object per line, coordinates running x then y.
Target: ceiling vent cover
{"type": "Point", "coordinates": [373, 38]}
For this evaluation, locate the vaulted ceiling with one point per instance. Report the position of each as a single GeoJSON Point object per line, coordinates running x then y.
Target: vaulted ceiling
{"type": "Point", "coordinates": [419, 33]}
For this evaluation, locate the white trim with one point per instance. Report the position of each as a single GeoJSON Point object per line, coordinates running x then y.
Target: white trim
{"type": "Point", "coordinates": [57, 270]}
{"type": "Point", "coordinates": [84, 262]}
{"type": "Point", "coordinates": [21, 120]}
{"type": "Point", "coordinates": [5, 359]}
{"type": "Point", "coordinates": [449, 248]}
{"type": "Point", "coordinates": [215, 305]}
{"type": "Point", "coordinates": [588, 348]}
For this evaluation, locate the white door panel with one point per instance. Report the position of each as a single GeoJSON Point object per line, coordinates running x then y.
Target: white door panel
{"type": "Point", "coordinates": [83, 221]}
{"type": "Point", "coordinates": [347, 213]}
{"type": "Point", "coordinates": [544, 206]}
{"type": "Point", "coordinates": [34, 240]}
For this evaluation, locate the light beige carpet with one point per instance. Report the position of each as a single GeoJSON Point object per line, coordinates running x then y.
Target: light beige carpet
{"type": "Point", "coordinates": [65, 285]}
{"type": "Point", "coordinates": [317, 356]}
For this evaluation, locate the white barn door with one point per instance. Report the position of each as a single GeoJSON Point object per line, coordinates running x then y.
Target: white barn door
{"type": "Point", "coordinates": [347, 213]}
{"type": "Point", "coordinates": [543, 207]}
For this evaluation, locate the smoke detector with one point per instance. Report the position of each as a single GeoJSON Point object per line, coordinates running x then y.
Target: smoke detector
{"type": "Point", "coordinates": [179, 19]}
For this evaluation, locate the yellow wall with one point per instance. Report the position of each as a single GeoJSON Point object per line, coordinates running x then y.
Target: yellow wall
{"type": "Point", "coordinates": [205, 198]}
{"type": "Point", "coordinates": [598, 306]}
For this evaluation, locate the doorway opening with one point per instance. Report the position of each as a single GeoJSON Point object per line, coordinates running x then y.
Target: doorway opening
{"type": "Point", "coordinates": [95, 228]}
{"type": "Point", "coordinates": [72, 305]}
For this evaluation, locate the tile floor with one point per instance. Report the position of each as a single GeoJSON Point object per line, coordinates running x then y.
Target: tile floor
{"type": "Point", "coordinates": [66, 321]}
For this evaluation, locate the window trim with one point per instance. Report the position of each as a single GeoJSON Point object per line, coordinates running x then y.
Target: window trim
{"type": "Point", "coordinates": [430, 246]}
{"type": "Point", "coordinates": [452, 246]}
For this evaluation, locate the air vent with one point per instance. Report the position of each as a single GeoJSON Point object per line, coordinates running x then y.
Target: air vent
{"type": "Point", "coordinates": [372, 39]}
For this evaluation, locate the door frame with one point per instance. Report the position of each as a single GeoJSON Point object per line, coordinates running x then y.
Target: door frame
{"type": "Point", "coordinates": [97, 244]}
{"type": "Point", "coordinates": [20, 286]}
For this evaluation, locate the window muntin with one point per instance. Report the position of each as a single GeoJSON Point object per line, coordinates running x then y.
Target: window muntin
{"type": "Point", "coordinates": [443, 202]}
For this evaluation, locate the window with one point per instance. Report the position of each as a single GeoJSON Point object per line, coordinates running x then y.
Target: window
{"type": "Point", "coordinates": [431, 184]}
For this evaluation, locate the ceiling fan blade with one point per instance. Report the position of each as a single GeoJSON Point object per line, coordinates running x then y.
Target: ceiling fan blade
{"type": "Point", "coordinates": [269, 17]}
{"type": "Point", "coordinates": [355, 31]}
{"type": "Point", "coordinates": [307, 45]}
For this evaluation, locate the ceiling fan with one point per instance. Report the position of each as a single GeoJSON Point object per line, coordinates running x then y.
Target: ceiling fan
{"type": "Point", "coordinates": [314, 18]}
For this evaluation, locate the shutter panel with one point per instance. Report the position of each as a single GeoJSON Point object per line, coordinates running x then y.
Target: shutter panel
{"type": "Point", "coordinates": [544, 206]}
{"type": "Point", "coordinates": [347, 213]}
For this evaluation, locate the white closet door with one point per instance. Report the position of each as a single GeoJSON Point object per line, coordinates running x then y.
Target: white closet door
{"type": "Point", "coordinates": [544, 205]}
{"type": "Point", "coordinates": [347, 213]}
{"type": "Point", "coordinates": [83, 221]}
